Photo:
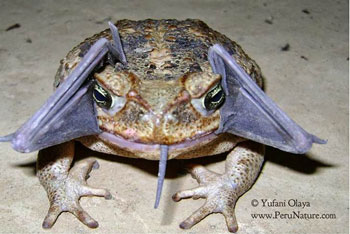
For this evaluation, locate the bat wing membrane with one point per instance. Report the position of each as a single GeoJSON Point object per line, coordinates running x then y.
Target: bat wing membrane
{"type": "Point", "coordinates": [248, 112]}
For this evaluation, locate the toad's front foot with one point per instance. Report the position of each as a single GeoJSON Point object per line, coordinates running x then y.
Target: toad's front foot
{"type": "Point", "coordinates": [220, 194]}
{"type": "Point", "coordinates": [64, 195]}
{"type": "Point", "coordinates": [64, 188]}
{"type": "Point", "coordinates": [222, 190]}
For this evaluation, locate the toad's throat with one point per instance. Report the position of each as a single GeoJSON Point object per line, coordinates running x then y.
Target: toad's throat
{"type": "Point", "coordinates": [136, 146]}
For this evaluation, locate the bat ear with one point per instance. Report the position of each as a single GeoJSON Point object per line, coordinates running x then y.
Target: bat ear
{"type": "Point", "coordinates": [116, 48]}
{"type": "Point", "coordinates": [248, 112]}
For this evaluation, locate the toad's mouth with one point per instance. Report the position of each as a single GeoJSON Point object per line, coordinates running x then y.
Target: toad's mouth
{"type": "Point", "coordinates": [137, 146]}
{"type": "Point", "coordinates": [163, 151]}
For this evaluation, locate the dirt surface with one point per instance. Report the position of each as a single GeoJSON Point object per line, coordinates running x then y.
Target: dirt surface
{"type": "Point", "coordinates": [302, 48]}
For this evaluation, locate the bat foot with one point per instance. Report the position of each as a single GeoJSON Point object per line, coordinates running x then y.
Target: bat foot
{"type": "Point", "coordinates": [219, 193]}
{"type": "Point", "coordinates": [64, 194]}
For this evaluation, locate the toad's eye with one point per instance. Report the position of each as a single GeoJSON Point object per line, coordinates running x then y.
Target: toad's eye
{"type": "Point", "coordinates": [214, 98]}
{"type": "Point", "coordinates": [102, 97]}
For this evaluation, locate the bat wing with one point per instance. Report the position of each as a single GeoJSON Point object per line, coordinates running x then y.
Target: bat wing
{"type": "Point", "coordinates": [69, 112]}
{"type": "Point", "coordinates": [248, 112]}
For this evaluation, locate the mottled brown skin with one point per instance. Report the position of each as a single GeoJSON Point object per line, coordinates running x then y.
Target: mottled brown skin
{"type": "Point", "coordinates": [167, 71]}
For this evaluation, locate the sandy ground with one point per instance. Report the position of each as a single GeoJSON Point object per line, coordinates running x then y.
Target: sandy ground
{"type": "Point", "coordinates": [309, 81]}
